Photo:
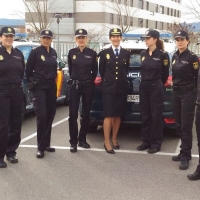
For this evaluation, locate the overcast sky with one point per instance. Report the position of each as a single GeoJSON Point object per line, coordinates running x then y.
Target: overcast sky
{"type": "Point", "coordinates": [8, 9]}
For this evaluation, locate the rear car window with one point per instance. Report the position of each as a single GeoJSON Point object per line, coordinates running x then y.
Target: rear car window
{"type": "Point", "coordinates": [25, 50]}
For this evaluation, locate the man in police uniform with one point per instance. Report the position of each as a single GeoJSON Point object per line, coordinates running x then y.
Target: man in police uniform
{"type": "Point", "coordinates": [11, 96]}
{"type": "Point", "coordinates": [83, 68]}
{"type": "Point", "coordinates": [185, 66]}
{"type": "Point", "coordinates": [41, 73]}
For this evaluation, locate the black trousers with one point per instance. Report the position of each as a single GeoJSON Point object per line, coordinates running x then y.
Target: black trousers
{"type": "Point", "coordinates": [11, 101]}
{"type": "Point", "coordinates": [44, 101]}
{"type": "Point", "coordinates": [197, 123]}
{"type": "Point", "coordinates": [86, 93]}
{"type": "Point", "coordinates": [184, 107]}
{"type": "Point", "coordinates": [151, 109]}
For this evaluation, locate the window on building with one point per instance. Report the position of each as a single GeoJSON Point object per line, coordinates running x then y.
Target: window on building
{"type": "Point", "coordinates": [156, 25]}
{"type": "Point", "coordinates": [140, 4]}
{"type": "Point", "coordinates": [167, 11]}
{"type": "Point", "coordinates": [162, 9]}
{"type": "Point", "coordinates": [125, 21]}
{"type": "Point", "coordinates": [119, 1]}
{"type": "Point", "coordinates": [131, 3]}
{"type": "Point", "coordinates": [131, 21]}
{"type": "Point", "coordinates": [174, 13]}
{"type": "Point", "coordinates": [147, 5]}
{"type": "Point", "coordinates": [147, 23]}
{"type": "Point", "coordinates": [140, 22]}
{"type": "Point", "coordinates": [125, 2]}
{"type": "Point", "coordinates": [118, 20]}
{"type": "Point", "coordinates": [157, 8]}
{"type": "Point", "coordinates": [111, 18]}
{"type": "Point", "coordinates": [69, 15]}
{"type": "Point", "coordinates": [178, 13]}
{"type": "Point", "coordinates": [171, 12]}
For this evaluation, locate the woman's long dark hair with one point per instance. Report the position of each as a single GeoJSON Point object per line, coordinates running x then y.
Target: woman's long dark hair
{"type": "Point", "coordinates": [160, 44]}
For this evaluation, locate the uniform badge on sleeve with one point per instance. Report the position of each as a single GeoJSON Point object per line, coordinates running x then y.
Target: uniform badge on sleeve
{"type": "Point", "coordinates": [107, 56]}
{"type": "Point", "coordinates": [42, 58]}
{"type": "Point", "coordinates": [74, 57]}
{"type": "Point", "coordinates": [143, 58]}
{"type": "Point", "coordinates": [165, 62]}
{"type": "Point", "coordinates": [195, 65]}
{"type": "Point", "coordinates": [1, 57]}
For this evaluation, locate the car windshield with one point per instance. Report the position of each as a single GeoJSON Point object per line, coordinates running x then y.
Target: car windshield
{"type": "Point", "coordinates": [135, 60]}
{"type": "Point", "coordinates": [25, 50]}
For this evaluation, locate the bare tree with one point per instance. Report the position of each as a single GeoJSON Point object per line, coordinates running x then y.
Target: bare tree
{"type": "Point", "coordinates": [193, 7]}
{"type": "Point", "coordinates": [125, 13]}
{"type": "Point", "coordinates": [37, 15]}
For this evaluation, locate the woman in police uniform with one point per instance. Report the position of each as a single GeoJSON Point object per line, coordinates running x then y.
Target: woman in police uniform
{"type": "Point", "coordinates": [11, 96]}
{"type": "Point", "coordinates": [184, 72]}
{"type": "Point", "coordinates": [154, 74]}
{"type": "Point", "coordinates": [83, 68]}
{"type": "Point", "coordinates": [41, 70]}
{"type": "Point", "coordinates": [113, 68]}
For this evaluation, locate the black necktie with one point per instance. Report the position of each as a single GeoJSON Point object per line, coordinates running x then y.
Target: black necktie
{"type": "Point", "coordinates": [116, 52]}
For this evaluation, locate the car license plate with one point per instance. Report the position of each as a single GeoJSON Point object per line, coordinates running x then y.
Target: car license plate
{"type": "Point", "coordinates": [133, 98]}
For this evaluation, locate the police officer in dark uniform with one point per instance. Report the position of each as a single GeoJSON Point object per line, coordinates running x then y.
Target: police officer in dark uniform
{"type": "Point", "coordinates": [196, 174]}
{"type": "Point", "coordinates": [184, 72]}
{"type": "Point", "coordinates": [83, 68]}
{"type": "Point", "coordinates": [11, 96]}
{"type": "Point", "coordinates": [41, 73]}
{"type": "Point", "coordinates": [113, 68]}
{"type": "Point", "coordinates": [154, 74]}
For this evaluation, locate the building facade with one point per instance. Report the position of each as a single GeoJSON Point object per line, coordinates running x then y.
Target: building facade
{"type": "Point", "coordinates": [99, 16]}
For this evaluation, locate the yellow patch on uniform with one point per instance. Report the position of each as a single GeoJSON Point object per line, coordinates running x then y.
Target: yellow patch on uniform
{"type": "Point", "coordinates": [107, 56]}
{"type": "Point", "coordinates": [143, 58]}
{"type": "Point", "coordinates": [173, 61]}
{"type": "Point", "coordinates": [165, 62]}
{"type": "Point", "coordinates": [42, 58]}
{"type": "Point", "coordinates": [195, 65]}
{"type": "Point", "coordinates": [1, 57]}
{"type": "Point", "coordinates": [74, 57]}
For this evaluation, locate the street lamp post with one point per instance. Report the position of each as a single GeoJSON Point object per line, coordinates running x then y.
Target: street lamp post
{"type": "Point", "coordinates": [58, 17]}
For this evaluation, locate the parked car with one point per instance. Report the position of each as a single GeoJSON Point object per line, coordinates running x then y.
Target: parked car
{"type": "Point", "coordinates": [62, 77]}
{"type": "Point", "coordinates": [132, 115]}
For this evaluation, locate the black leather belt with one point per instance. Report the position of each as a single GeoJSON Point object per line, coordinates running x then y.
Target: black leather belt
{"type": "Point", "coordinates": [10, 86]}
{"type": "Point", "coordinates": [183, 87]}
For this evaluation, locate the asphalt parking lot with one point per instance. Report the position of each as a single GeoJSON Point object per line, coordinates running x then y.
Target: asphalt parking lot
{"type": "Point", "coordinates": [94, 174]}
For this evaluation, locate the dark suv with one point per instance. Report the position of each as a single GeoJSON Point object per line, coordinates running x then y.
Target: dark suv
{"type": "Point", "coordinates": [132, 115]}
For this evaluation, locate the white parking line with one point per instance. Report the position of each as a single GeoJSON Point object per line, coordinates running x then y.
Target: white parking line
{"type": "Point", "coordinates": [120, 151]}
{"type": "Point", "coordinates": [34, 134]}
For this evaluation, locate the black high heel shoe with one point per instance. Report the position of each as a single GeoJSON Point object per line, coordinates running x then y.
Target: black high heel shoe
{"type": "Point", "coordinates": [109, 151]}
{"type": "Point", "coordinates": [115, 147]}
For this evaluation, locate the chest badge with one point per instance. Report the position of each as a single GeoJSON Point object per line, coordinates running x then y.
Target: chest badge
{"type": "Point", "coordinates": [165, 62]}
{"type": "Point", "coordinates": [1, 57]}
{"type": "Point", "coordinates": [195, 65]}
{"type": "Point", "coordinates": [173, 61]}
{"type": "Point", "coordinates": [107, 56]}
{"type": "Point", "coordinates": [42, 58]}
{"type": "Point", "coordinates": [74, 57]}
{"type": "Point", "coordinates": [143, 58]}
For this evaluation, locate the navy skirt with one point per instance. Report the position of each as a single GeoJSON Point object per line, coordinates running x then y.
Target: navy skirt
{"type": "Point", "coordinates": [114, 105]}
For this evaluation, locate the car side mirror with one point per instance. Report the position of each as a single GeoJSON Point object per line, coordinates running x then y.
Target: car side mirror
{"type": "Point", "coordinates": [61, 65]}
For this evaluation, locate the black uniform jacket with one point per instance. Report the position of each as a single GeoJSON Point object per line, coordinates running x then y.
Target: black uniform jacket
{"type": "Point", "coordinates": [83, 65]}
{"type": "Point", "coordinates": [113, 70]}
{"type": "Point", "coordinates": [154, 67]}
{"type": "Point", "coordinates": [41, 64]}
{"type": "Point", "coordinates": [11, 66]}
{"type": "Point", "coordinates": [185, 68]}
